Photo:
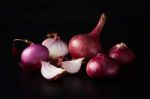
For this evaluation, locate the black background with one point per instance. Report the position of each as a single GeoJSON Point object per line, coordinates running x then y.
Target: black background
{"type": "Point", "coordinates": [126, 22]}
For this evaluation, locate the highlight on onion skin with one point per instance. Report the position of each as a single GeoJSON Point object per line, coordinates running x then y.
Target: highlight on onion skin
{"type": "Point", "coordinates": [32, 55]}
{"type": "Point", "coordinates": [102, 67]}
{"type": "Point", "coordinates": [122, 54]}
{"type": "Point", "coordinates": [72, 66]}
{"type": "Point", "coordinates": [57, 47]}
{"type": "Point", "coordinates": [51, 58]}
{"type": "Point", "coordinates": [87, 45]}
{"type": "Point", "coordinates": [51, 72]}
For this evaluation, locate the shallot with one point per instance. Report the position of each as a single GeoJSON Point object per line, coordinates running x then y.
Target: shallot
{"type": "Point", "coordinates": [121, 53]}
{"type": "Point", "coordinates": [32, 55]}
{"type": "Point", "coordinates": [102, 66]}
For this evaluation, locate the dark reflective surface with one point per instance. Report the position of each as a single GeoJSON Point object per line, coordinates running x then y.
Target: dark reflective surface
{"type": "Point", "coordinates": [34, 19]}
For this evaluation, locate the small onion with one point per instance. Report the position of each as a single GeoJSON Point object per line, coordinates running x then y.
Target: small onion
{"type": "Point", "coordinates": [102, 66]}
{"type": "Point", "coordinates": [122, 54]}
{"type": "Point", "coordinates": [32, 55]}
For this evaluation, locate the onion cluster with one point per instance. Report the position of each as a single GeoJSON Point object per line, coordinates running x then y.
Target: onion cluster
{"type": "Point", "coordinates": [50, 57]}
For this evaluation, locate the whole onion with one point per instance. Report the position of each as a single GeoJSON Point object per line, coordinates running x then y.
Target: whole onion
{"type": "Point", "coordinates": [57, 47]}
{"type": "Point", "coordinates": [32, 56]}
{"type": "Point", "coordinates": [102, 66]}
{"type": "Point", "coordinates": [87, 45]}
{"type": "Point", "coordinates": [122, 54]}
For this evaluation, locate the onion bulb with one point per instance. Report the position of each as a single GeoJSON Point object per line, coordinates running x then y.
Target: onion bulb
{"type": "Point", "coordinates": [102, 66]}
{"type": "Point", "coordinates": [121, 53]}
{"type": "Point", "coordinates": [87, 45]}
{"type": "Point", "coordinates": [32, 55]}
{"type": "Point", "coordinates": [56, 46]}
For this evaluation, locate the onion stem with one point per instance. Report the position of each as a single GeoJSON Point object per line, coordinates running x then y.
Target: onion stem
{"type": "Point", "coordinates": [23, 40]}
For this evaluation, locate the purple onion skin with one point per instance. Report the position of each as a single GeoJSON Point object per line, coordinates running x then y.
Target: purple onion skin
{"type": "Point", "coordinates": [87, 45]}
{"type": "Point", "coordinates": [84, 45]}
{"type": "Point", "coordinates": [15, 52]}
{"type": "Point", "coordinates": [102, 67]}
{"type": "Point", "coordinates": [32, 55]}
{"type": "Point", "coordinates": [123, 55]}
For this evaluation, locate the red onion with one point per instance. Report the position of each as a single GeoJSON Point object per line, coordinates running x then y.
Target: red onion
{"type": "Point", "coordinates": [32, 55]}
{"type": "Point", "coordinates": [121, 53]}
{"type": "Point", "coordinates": [50, 71]}
{"type": "Point", "coordinates": [18, 47]}
{"type": "Point", "coordinates": [73, 66]}
{"type": "Point", "coordinates": [15, 52]}
{"type": "Point", "coordinates": [87, 45]}
{"type": "Point", "coordinates": [57, 47]}
{"type": "Point", "coordinates": [102, 66]}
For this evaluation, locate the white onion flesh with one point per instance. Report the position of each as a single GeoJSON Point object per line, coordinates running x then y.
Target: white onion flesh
{"type": "Point", "coordinates": [49, 71]}
{"type": "Point", "coordinates": [72, 66]}
{"type": "Point", "coordinates": [56, 47]}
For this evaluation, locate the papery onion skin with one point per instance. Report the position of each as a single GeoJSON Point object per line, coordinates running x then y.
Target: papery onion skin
{"type": "Point", "coordinates": [102, 67]}
{"type": "Point", "coordinates": [87, 45]}
{"type": "Point", "coordinates": [32, 55]}
{"type": "Point", "coordinates": [57, 47]}
{"type": "Point", "coordinates": [84, 45]}
{"type": "Point", "coordinates": [122, 54]}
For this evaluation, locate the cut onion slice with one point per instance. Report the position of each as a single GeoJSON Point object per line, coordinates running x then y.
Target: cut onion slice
{"type": "Point", "coordinates": [72, 66]}
{"type": "Point", "coordinates": [49, 71]}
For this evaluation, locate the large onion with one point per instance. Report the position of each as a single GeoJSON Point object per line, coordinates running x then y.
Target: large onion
{"type": "Point", "coordinates": [87, 45]}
